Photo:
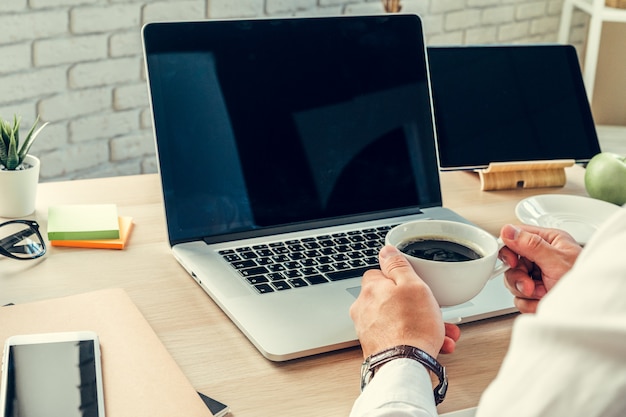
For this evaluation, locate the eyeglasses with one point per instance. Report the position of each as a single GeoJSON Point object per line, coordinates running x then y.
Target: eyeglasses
{"type": "Point", "coordinates": [20, 239]}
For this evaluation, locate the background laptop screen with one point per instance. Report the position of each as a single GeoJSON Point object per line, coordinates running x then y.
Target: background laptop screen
{"type": "Point", "coordinates": [271, 123]}
{"type": "Point", "coordinates": [510, 103]}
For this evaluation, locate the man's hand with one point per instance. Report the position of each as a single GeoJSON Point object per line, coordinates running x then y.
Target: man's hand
{"type": "Point", "coordinates": [538, 258]}
{"type": "Point", "coordinates": [395, 307]}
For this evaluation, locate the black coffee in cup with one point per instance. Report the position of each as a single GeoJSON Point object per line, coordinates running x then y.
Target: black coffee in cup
{"type": "Point", "coordinates": [438, 249]}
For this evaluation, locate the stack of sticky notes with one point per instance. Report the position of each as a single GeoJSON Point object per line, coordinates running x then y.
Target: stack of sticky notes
{"type": "Point", "coordinates": [88, 226]}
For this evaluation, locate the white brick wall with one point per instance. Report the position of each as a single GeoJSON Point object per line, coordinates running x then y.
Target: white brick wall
{"type": "Point", "coordinates": [78, 63]}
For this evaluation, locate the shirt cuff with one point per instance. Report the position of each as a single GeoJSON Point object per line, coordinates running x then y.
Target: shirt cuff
{"type": "Point", "coordinates": [402, 385]}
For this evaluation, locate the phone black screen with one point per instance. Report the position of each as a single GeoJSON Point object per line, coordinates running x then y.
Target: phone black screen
{"type": "Point", "coordinates": [56, 379]}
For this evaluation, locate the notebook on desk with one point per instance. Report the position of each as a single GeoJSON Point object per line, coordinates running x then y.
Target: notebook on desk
{"type": "Point", "coordinates": [287, 148]}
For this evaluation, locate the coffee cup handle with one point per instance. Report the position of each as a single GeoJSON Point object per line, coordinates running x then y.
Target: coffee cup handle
{"type": "Point", "coordinates": [500, 267]}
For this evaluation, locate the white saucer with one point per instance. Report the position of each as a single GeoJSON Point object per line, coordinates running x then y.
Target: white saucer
{"type": "Point", "coordinates": [579, 216]}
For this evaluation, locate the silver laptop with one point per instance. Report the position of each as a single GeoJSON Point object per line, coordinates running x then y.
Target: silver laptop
{"type": "Point", "coordinates": [287, 148]}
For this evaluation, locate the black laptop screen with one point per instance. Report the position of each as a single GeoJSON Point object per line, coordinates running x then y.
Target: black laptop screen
{"type": "Point", "coordinates": [275, 123]}
{"type": "Point", "coordinates": [510, 103]}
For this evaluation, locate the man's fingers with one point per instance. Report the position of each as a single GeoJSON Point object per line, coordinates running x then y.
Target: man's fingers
{"type": "Point", "coordinates": [525, 305]}
{"type": "Point", "coordinates": [448, 345]}
{"type": "Point", "coordinates": [452, 331]}
{"type": "Point", "coordinates": [452, 335]}
{"type": "Point", "coordinates": [531, 242]}
{"type": "Point", "coordinates": [519, 283]}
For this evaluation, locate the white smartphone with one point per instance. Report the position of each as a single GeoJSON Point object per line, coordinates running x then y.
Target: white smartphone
{"type": "Point", "coordinates": [52, 375]}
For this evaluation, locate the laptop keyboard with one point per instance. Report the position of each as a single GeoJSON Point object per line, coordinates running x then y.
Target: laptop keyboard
{"type": "Point", "coordinates": [298, 263]}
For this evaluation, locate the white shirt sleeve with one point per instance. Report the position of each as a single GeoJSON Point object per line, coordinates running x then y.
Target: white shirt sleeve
{"type": "Point", "coordinates": [569, 359]}
{"type": "Point", "coordinates": [401, 388]}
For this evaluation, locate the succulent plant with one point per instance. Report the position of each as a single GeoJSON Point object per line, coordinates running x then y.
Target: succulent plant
{"type": "Point", "coordinates": [11, 153]}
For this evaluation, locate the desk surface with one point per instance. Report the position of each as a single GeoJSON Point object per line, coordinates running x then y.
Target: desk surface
{"type": "Point", "coordinates": [212, 352]}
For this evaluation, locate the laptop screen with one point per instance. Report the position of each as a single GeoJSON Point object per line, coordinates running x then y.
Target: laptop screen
{"type": "Point", "coordinates": [279, 124]}
{"type": "Point", "coordinates": [510, 103]}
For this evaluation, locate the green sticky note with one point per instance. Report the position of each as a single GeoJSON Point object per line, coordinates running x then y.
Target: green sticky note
{"type": "Point", "coordinates": [83, 221]}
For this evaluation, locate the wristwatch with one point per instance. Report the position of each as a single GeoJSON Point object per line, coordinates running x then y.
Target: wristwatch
{"type": "Point", "coordinates": [373, 362]}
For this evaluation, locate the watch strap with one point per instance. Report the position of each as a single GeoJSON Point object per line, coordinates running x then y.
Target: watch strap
{"type": "Point", "coordinates": [372, 363]}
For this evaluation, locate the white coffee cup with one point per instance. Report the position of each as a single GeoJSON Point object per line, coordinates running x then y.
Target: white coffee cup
{"type": "Point", "coordinates": [452, 283]}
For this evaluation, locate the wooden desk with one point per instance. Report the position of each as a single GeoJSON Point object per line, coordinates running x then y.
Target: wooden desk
{"type": "Point", "coordinates": [215, 356]}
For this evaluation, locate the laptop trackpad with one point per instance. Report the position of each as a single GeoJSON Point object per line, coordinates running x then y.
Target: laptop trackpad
{"type": "Point", "coordinates": [355, 291]}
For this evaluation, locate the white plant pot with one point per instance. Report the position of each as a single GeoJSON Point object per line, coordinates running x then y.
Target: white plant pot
{"type": "Point", "coordinates": [18, 189]}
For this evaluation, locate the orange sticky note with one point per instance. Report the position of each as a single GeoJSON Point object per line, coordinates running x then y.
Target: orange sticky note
{"type": "Point", "coordinates": [126, 225]}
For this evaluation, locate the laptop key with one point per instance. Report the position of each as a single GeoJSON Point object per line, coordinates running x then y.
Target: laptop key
{"type": "Point", "coordinates": [296, 256]}
{"type": "Point", "coordinates": [375, 244]}
{"type": "Point", "coordinates": [312, 254]}
{"type": "Point", "coordinates": [275, 276]}
{"type": "Point", "coordinates": [358, 246]}
{"type": "Point", "coordinates": [325, 268]}
{"type": "Point", "coordinates": [264, 288]}
{"type": "Point", "coordinates": [259, 270]}
{"type": "Point", "coordinates": [298, 282]}
{"type": "Point", "coordinates": [308, 262]}
{"type": "Point", "coordinates": [311, 245]}
{"type": "Point", "coordinates": [231, 257]}
{"type": "Point", "coordinates": [281, 258]}
{"type": "Point", "coordinates": [264, 252]}
{"type": "Point", "coordinates": [328, 251]}
{"type": "Point", "coordinates": [292, 274]}
{"type": "Point", "coordinates": [281, 285]}
{"type": "Point", "coordinates": [279, 250]}
{"type": "Point", "coordinates": [258, 279]}
{"type": "Point", "coordinates": [243, 264]}
{"type": "Point", "coordinates": [343, 248]}
{"type": "Point", "coordinates": [276, 267]}
{"type": "Point", "coordinates": [347, 274]}
{"type": "Point", "coordinates": [316, 279]}
{"type": "Point", "coordinates": [340, 257]}
{"type": "Point", "coordinates": [357, 263]}
{"type": "Point", "coordinates": [309, 271]}
{"type": "Point", "coordinates": [341, 265]}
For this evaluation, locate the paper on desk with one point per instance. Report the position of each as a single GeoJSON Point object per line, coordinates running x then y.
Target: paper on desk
{"type": "Point", "coordinates": [140, 376]}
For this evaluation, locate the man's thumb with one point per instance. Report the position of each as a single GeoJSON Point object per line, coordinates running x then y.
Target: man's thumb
{"type": "Point", "coordinates": [393, 263]}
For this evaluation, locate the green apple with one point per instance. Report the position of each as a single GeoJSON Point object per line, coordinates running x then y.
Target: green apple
{"type": "Point", "coordinates": [605, 177]}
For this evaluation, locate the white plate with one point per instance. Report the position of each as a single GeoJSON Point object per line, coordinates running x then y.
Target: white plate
{"type": "Point", "coordinates": [579, 216]}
